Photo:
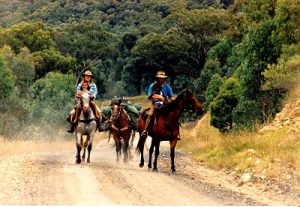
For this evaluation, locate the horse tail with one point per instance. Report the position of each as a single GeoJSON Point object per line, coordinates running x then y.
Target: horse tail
{"type": "Point", "coordinates": [140, 145]}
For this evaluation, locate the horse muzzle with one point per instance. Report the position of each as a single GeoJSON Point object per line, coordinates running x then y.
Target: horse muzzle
{"type": "Point", "coordinates": [86, 108]}
{"type": "Point", "coordinates": [114, 116]}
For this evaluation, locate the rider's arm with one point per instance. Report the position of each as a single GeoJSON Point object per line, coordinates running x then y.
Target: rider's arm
{"type": "Point", "coordinates": [169, 92]}
{"type": "Point", "coordinates": [152, 96]}
{"type": "Point", "coordinates": [93, 90]}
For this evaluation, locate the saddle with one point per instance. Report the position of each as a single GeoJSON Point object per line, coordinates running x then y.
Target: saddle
{"type": "Point", "coordinates": [144, 116]}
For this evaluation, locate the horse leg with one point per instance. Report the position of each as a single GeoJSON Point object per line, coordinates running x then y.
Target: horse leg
{"type": "Point", "coordinates": [172, 154]}
{"type": "Point", "coordinates": [157, 144]}
{"type": "Point", "coordinates": [90, 143]}
{"type": "Point", "coordinates": [83, 145]}
{"type": "Point", "coordinates": [132, 138]}
{"type": "Point", "coordinates": [140, 148]}
{"type": "Point", "coordinates": [126, 148]}
{"type": "Point", "coordinates": [118, 147]}
{"type": "Point", "coordinates": [150, 154]}
{"type": "Point", "coordinates": [78, 146]}
{"type": "Point", "coordinates": [89, 148]}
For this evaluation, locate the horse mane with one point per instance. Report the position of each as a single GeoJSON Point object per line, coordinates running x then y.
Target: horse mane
{"type": "Point", "coordinates": [173, 105]}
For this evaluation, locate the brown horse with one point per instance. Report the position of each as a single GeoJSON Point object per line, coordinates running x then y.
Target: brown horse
{"type": "Point", "coordinates": [120, 129]}
{"type": "Point", "coordinates": [166, 127]}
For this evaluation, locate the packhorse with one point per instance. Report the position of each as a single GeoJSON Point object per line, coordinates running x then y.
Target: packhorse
{"type": "Point", "coordinates": [120, 129]}
{"type": "Point", "coordinates": [165, 126]}
{"type": "Point", "coordinates": [87, 126]}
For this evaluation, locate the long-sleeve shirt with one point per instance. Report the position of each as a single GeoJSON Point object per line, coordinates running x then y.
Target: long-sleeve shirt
{"type": "Point", "coordinates": [92, 88]}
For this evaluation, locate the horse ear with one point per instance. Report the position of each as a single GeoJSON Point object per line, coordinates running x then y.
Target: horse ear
{"type": "Point", "coordinates": [188, 91]}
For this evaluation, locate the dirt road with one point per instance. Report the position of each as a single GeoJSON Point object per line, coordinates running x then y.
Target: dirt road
{"type": "Point", "coordinates": [53, 178]}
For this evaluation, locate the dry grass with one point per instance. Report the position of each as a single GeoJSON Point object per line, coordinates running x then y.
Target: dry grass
{"type": "Point", "coordinates": [272, 153]}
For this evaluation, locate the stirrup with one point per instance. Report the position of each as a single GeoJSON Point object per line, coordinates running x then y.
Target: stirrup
{"type": "Point", "coordinates": [144, 134]}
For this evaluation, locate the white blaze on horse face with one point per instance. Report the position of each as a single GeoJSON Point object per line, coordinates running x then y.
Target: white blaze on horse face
{"type": "Point", "coordinates": [115, 112]}
{"type": "Point", "coordinates": [85, 97]}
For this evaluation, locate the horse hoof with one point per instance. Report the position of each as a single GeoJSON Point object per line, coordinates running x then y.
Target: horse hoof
{"type": "Point", "coordinates": [88, 161]}
{"type": "Point", "coordinates": [149, 166]}
{"type": "Point", "coordinates": [141, 165]}
{"type": "Point", "coordinates": [78, 161]}
{"type": "Point", "coordinates": [155, 170]}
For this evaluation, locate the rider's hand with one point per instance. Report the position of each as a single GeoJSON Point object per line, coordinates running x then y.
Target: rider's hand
{"type": "Point", "coordinates": [162, 98]}
{"type": "Point", "coordinates": [78, 94]}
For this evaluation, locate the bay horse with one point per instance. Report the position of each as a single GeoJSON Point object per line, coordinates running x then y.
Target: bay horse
{"type": "Point", "coordinates": [166, 127]}
{"type": "Point", "coordinates": [87, 126]}
{"type": "Point", "coordinates": [120, 129]}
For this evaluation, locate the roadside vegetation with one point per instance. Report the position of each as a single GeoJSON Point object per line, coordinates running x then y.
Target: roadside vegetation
{"type": "Point", "coordinates": [267, 153]}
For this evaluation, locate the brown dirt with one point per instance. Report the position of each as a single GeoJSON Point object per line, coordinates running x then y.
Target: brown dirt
{"type": "Point", "coordinates": [51, 177]}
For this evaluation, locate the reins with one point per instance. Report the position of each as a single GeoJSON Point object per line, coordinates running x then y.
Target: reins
{"type": "Point", "coordinates": [124, 128]}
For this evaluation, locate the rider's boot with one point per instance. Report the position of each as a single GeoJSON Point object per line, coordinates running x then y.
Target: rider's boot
{"type": "Point", "coordinates": [74, 119]}
{"type": "Point", "coordinates": [72, 129]}
{"type": "Point", "coordinates": [144, 134]}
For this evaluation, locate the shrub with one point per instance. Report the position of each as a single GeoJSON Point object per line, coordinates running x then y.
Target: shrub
{"type": "Point", "coordinates": [222, 106]}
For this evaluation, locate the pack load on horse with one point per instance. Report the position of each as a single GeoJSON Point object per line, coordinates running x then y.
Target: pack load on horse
{"type": "Point", "coordinates": [165, 125]}
{"type": "Point", "coordinates": [133, 110]}
{"type": "Point", "coordinates": [120, 128]}
{"type": "Point", "coordinates": [87, 84]}
{"type": "Point", "coordinates": [87, 126]}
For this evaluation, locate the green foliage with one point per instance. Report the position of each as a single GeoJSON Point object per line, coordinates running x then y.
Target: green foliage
{"type": "Point", "coordinates": [9, 123]}
{"type": "Point", "coordinates": [35, 36]}
{"type": "Point", "coordinates": [22, 66]}
{"type": "Point", "coordinates": [213, 89]}
{"type": "Point", "coordinates": [7, 83]}
{"type": "Point", "coordinates": [286, 73]}
{"type": "Point", "coordinates": [221, 51]}
{"type": "Point", "coordinates": [85, 40]}
{"type": "Point", "coordinates": [164, 51]}
{"type": "Point", "coordinates": [262, 47]}
{"type": "Point", "coordinates": [287, 21]}
{"type": "Point", "coordinates": [125, 42]}
{"type": "Point", "coordinates": [246, 114]}
{"type": "Point", "coordinates": [212, 67]}
{"type": "Point", "coordinates": [52, 99]}
{"type": "Point", "coordinates": [201, 29]}
{"type": "Point", "coordinates": [52, 60]}
{"type": "Point", "coordinates": [222, 106]}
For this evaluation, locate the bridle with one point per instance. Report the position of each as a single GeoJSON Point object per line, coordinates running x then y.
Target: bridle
{"type": "Point", "coordinates": [115, 116]}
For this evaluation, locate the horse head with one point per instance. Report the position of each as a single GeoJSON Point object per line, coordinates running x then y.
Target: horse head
{"type": "Point", "coordinates": [85, 101]}
{"type": "Point", "coordinates": [115, 111]}
{"type": "Point", "coordinates": [192, 102]}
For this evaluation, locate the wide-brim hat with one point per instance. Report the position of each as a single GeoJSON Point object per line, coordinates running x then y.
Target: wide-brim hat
{"type": "Point", "coordinates": [88, 72]}
{"type": "Point", "coordinates": [161, 74]}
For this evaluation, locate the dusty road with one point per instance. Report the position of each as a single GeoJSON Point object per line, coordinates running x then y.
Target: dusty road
{"type": "Point", "coordinates": [53, 178]}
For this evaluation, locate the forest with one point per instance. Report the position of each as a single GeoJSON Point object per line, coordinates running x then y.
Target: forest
{"type": "Point", "coordinates": [239, 57]}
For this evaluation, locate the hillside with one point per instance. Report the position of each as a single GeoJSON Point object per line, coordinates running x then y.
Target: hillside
{"type": "Point", "coordinates": [266, 160]}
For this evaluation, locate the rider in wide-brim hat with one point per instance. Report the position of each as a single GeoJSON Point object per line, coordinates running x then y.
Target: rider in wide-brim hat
{"type": "Point", "coordinates": [87, 73]}
{"type": "Point", "coordinates": [161, 74]}
{"type": "Point", "coordinates": [86, 84]}
{"type": "Point", "coordinates": [157, 97]}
